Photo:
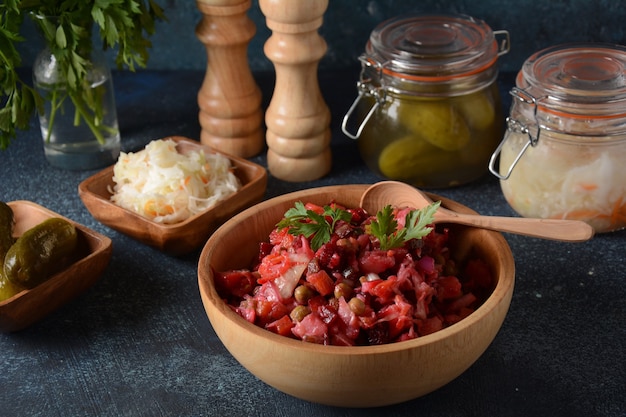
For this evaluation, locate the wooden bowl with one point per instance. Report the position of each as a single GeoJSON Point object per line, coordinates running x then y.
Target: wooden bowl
{"type": "Point", "coordinates": [361, 376]}
{"type": "Point", "coordinates": [92, 255]}
{"type": "Point", "coordinates": [185, 236]}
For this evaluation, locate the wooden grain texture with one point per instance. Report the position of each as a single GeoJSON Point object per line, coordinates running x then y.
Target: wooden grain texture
{"type": "Point", "coordinates": [229, 98]}
{"type": "Point", "coordinates": [297, 118]}
{"type": "Point", "coordinates": [405, 195]}
{"type": "Point", "coordinates": [178, 238]}
{"type": "Point", "coordinates": [363, 376]}
{"type": "Point", "coordinates": [92, 255]}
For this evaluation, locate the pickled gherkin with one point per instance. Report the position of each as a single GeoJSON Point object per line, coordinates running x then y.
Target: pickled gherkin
{"type": "Point", "coordinates": [432, 142]}
{"type": "Point", "coordinates": [7, 288]}
{"type": "Point", "coordinates": [437, 122]}
{"type": "Point", "coordinates": [6, 229]}
{"type": "Point", "coordinates": [416, 161]}
{"type": "Point", "coordinates": [40, 252]}
{"type": "Point", "coordinates": [477, 109]}
{"type": "Point", "coordinates": [404, 158]}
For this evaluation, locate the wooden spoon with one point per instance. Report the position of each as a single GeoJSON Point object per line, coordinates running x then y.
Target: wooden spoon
{"type": "Point", "coordinates": [400, 194]}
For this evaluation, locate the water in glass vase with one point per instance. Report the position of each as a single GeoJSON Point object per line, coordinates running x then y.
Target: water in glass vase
{"type": "Point", "coordinates": [77, 134]}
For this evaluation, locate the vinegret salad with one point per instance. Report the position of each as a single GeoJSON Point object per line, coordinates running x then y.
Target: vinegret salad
{"type": "Point", "coordinates": [339, 276]}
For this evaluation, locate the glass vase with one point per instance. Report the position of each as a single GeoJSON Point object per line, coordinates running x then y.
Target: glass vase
{"type": "Point", "coordinates": [80, 131]}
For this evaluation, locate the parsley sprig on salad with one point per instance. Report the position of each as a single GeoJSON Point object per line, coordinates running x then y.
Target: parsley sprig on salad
{"type": "Point", "coordinates": [301, 221]}
{"type": "Point", "coordinates": [385, 227]}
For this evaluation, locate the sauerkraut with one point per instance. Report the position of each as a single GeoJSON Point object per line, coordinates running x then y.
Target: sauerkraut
{"type": "Point", "coordinates": [168, 187]}
{"type": "Point", "coordinates": [567, 179]}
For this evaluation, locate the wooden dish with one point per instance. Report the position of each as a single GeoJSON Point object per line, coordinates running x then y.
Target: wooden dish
{"type": "Point", "coordinates": [178, 238]}
{"type": "Point", "coordinates": [92, 256]}
{"type": "Point", "coordinates": [362, 376]}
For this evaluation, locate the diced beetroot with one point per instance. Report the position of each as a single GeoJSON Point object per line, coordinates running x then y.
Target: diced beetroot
{"type": "Point", "coordinates": [464, 301]}
{"type": "Point", "coordinates": [397, 315]}
{"type": "Point", "coordinates": [386, 289]}
{"type": "Point", "coordinates": [237, 283]}
{"type": "Point", "coordinates": [327, 313]}
{"type": "Point", "coordinates": [376, 261]}
{"type": "Point", "coordinates": [282, 326]}
{"type": "Point", "coordinates": [341, 339]}
{"type": "Point", "coordinates": [311, 327]}
{"type": "Point", "coordinates": [478, 275]}
{"type": "Point", "coordinates": [269, 311]}
{"type": "Point", "coordinates": [429, 325]}
{"type": "Point", "coordinates": [448, 288]}
{"type": "Point", "coordinates": [321, 281]}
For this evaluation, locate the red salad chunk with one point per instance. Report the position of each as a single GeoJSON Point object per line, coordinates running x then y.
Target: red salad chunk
{"type": "Point", "coordinates": [339, 276]}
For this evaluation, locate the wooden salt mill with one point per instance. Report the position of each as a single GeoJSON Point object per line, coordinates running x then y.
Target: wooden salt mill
{"type": "Point", "coordinates": [297, 118]}
{"type": "Point", "coordinates": [229, 99]}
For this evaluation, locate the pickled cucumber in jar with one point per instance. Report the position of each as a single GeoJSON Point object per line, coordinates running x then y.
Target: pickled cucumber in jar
{"type": "Point", "coordinates": [477, 109]}
{"type": "Point", "coordinates": [432, 142]}
{"type": "Point", "coordinates": [417, 162]}
{"type": "Point", "coordinates": [436, 121]}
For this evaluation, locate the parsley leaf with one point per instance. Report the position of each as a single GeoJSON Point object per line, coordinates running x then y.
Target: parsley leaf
{"type": "Point", "coordinates": [125, 25]}
{"type": "Point", "coordinates": [307, 223]}
{"type": "Point", "coordinates": [385, 227]}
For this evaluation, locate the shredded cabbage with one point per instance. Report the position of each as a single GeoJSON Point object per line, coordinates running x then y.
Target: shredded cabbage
{"type": "Point", "coordinates": [567, 180]}
{"type": "Point", "coordinates": [168, 187]}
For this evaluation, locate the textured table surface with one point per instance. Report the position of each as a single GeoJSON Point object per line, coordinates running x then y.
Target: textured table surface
{"type": "Point", "coordinates": [138, 343]}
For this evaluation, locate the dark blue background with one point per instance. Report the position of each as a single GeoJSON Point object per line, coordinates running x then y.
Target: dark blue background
{"type": "Point", "coordinates": [532, 24]}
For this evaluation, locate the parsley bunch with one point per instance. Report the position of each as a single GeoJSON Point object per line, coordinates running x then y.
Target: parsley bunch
{"type": "Point", "coordinates": [66, 28]}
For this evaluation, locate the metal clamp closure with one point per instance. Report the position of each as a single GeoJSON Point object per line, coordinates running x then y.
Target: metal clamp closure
{"type": "Point", "coordinates": [365, 87]}
{"type": "Point", "coordinates": [504, 41]}
{"type": "Point", "coordinates": [514, 125]}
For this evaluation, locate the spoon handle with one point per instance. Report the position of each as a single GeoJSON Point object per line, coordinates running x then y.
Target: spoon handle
{"type": "Point", "coordinates": [563, 230]}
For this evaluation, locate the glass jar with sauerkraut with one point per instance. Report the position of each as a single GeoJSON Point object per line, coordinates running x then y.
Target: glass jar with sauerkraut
{"type": "Point", "coordinates": [428, 110]}
{"type": "Point", "coordinates": [563, 155]}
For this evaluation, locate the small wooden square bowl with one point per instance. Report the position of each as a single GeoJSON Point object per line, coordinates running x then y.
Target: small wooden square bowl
{"type": "Point", "coordinates": [185, 236]}
{"type": "Point", "coordinates": [93, 253]}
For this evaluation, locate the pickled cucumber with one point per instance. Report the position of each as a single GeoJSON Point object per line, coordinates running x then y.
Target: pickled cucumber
{"type": "Point", "coordinates": [409, 158]}
{"type": "Point", "coordinates": [437, 122]}
{"type": "Point", "coordinates": [7, 288]}
{"type": "Point", "coordinates": [6, 230]}
{"type": "Point", "coordinates": [40, 252]}
{"type": "Point", "coordinates": [477, 109]}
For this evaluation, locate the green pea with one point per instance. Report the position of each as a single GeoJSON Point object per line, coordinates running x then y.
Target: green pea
{"type": "Point", "coordinates": [302, 294]}
{"type": "Point", "coordinates": [299, 312]}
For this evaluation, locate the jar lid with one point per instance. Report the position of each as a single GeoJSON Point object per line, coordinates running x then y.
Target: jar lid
{"type": "Point", "coordinates": [587, 79]}
{"type": "Point", "coordinates": [426, 46]}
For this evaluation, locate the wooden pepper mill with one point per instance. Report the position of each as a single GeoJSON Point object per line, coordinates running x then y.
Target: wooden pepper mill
{"type": "Point", "coordinates": [229, 99]}
{"type": "Point", "coordinates": [297, 118]}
